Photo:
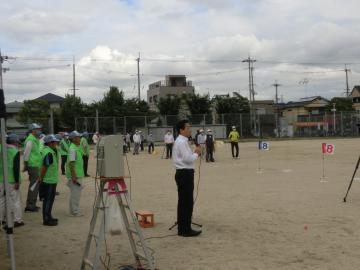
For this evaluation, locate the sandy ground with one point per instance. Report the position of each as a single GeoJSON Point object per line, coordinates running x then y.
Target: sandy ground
{"type": "Point", "coordinates": [282, 218]}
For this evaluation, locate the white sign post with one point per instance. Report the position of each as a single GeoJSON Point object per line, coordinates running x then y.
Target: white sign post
{"type": "Point", "coordinates": [326, 149]}
{"type": "Point", "coordinates": [262, 146]}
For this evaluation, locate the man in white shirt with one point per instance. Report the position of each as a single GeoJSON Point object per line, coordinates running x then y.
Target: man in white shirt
{"type": "Point", "coordinates": [184, 159]}
{"type": "Point", "coordinates": [169, 141]}
{"type": "Point", "coordinates": [137, 141]}
{"type": "Point", "coordinates": [201, 141]}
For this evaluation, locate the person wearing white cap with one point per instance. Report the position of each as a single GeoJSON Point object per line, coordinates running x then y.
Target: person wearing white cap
{"type": "Point", "coordinates": [201, 139]}
{"type": "Point", "coordinates": [169, 141]}
{"type": "Point", "coordinates": [14, 179]}
{"type": "Point", "coordinates": [137, 141]}
{"type": "Point", "coordinates": [210, 146]}
{"type": "Point", "coordinates": [75, 173]}
{"type": "Point", "coordinates": [234, 140]}
{"type": "Point", "coordinates": [32, 163]}
{"type": "Point", "coordinates": [49, 177]}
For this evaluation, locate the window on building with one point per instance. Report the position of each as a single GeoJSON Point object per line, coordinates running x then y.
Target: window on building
{"type": "Point", "coordinates": [150, 99]}
{"type": "Point", "coordinates": [155, 98]}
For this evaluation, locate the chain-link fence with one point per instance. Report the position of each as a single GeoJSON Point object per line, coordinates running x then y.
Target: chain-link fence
{"type": "Point", "coordinates": [266, 125]}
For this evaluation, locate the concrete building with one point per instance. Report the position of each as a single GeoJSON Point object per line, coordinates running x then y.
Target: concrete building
{"type": "Point", "coordinates": [174, 85]}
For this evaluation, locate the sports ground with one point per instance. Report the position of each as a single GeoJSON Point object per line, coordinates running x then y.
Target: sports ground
{"type": "Point", "coordinates": [282, 217]}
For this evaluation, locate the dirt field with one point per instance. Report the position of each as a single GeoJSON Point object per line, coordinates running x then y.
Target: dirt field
{"type": "Point", "coordinates": [282, 218]}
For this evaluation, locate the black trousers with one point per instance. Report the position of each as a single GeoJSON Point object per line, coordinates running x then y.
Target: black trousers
{"type": "Point", "coordinates": [142, 146]}
{"type": "Point", "coordinates": [151, 147]}
{"type": "Point", "coordinates": [169, 150]}
{"type": "Point", "coordinates": [185, 184]}
{"type": "Point", "coordinates": [86, 161]}
{"type": "Point", "coordinates": [47, 195]}
{"type": "Point", "coordinates": [63, 163]}
{"type": "Point", "coordinates": [209, 153]}
{"type": "Point", "coordinates": [236, 146]}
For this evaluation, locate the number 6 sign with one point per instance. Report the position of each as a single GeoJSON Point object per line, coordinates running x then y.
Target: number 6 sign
{"type": "Point", "coordinates": [328, 148]}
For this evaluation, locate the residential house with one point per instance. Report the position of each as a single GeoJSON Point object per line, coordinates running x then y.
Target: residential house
{"type": "Point", "coordinates": [355, 95]}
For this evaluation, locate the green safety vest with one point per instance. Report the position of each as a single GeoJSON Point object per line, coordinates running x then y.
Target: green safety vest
{"type": "Point", "coordinates": [79, 163]}
{"type": "Point", "coordinates": [35, 155]}
{"type": "Point", "coordinates": [85, 146]}
{"type": "Point", "coordinates": [51, 176]}
{"type": "Point", "coordinates": [64, 147]}
{"type": "Point", "coordinates": [11, 153]}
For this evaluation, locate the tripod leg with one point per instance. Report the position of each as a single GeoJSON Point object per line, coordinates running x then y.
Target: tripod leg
{"type": "Point", "coordinates": [352, 179]}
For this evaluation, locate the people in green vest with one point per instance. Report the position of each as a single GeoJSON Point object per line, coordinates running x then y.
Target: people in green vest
{"type": "Point", "coordinates": [64, 149]}
{"type": "Point", "coordinates": [75, 172]}
{"type": "Point", "coordinates": [234, 140]}
{"type": "Point", "coordinates": [14, 179]}
{"type": "Point", "coordinates": [49, 177]}
{"type": "Point", "coordinates": [84, 144]}
{"type": "Point", "coordinates": [32, 163]}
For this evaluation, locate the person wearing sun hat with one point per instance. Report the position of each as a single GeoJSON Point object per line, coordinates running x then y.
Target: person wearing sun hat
{"type": "Point", "coordinates": [234, 140]}
{"type": "Point", "coordinates": [49, 177]}
{"type": "Point", "coordinates": [75, 173]}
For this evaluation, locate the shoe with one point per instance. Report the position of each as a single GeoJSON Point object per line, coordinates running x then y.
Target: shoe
{"type": "Point", "coordinates": [35, 209]}
{"type": "Point", "coordinates": [87, 175]}
{"type": "Point", "coordinates": [54, 219]}
{"type": "Point", "coordinates": [191, 233]}
{"type": "Point", "coordinates": [18, 224]}
{"type": "Point", "coordinates": [77, 215]}
{"type": "Point", "coordinates": [50, 223]}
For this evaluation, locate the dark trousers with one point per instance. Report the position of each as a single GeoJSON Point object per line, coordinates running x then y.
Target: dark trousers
{"type": "Point", "coordinates": [128, 146]}
{"type": "Point", "coordinates": [185, 184]}
{"type": "Point", "coordinates": [236, 146]}
{"type": "Point", "coordinates": [86, 161]}
{"type": "Point", "coordinates": [142, 146]}
{"type": "Point", "coordinates": [63, 163]}
{"type": "Point", "coordinates": [47, 195]}
{"type": "Point", "coordinates": [169, 150]}
{"type": "Point", "coordinates": [151, 147]}
{"type": "Point", "coordinates": [209, 153]}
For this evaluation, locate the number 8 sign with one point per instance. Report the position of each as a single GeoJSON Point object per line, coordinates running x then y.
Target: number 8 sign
{"type": "Point", "coordinates": [328, 148]}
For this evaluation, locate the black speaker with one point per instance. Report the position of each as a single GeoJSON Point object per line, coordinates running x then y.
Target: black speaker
{"type": "Point", "coordinates": [2, 104]}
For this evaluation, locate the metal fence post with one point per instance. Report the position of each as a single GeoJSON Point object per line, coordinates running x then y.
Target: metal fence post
{"type": "Point", "coordinates": [222, 119]}
{"type": "Point", "coordinates": [241, 133]}
{"type": "Point", "coordinates": [114, 125]}
{"type": "Point", "coordinates": [341, 124]}
{"type": "Point", "coordinates": [75, 123]}
{"type": "Point", "coordinates": [86, 123]}
{"type": "Point", "coordinates": [125, 131]}
{"type": "Point", "coordinates": [97, 121]}
{"type": "Point", "coordinates": [165, 120]}
{"type": "Point", "coordinates": [145, 121]}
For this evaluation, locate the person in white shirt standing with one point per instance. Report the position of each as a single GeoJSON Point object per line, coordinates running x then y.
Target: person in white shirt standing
{"type": "Point", "coordinates": [184, 159]}
{"type": "Point", "coordinates": [169, 141]}
{"type": "Point", "coordinates": [137, 141]}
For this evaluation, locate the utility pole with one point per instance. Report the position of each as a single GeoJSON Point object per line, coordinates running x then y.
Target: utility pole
{"type": "Point", "coordinates": [74, 89]}
{"type": "Point", "coordinates": [347, 81]}
{"type": "Point", "coordinates": [277, 107]}
{"type": "Point", "coordinates": [9, 219]}
{"type": "Point", "coordinates": [138, 74]}
{"type": "Point", "coordinates": [251, 91]}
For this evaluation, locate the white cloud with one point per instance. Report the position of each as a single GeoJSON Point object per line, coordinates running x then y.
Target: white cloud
{"type": "Point", "coordinates": [113, 32]}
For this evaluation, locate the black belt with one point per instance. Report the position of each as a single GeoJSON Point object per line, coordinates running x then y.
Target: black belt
{"type": "Point", "coordinates": [185, 170]}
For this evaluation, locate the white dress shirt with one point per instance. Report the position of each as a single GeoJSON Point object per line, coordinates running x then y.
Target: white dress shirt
{"type": "Point", "coordinates": [183, 157]}
{"type": "Point", "coordinates": [168, 138]}
{"type": "Point", "coordinates": [201, 138]}
{"type": "Point", "coordinates": [137, 138]}
{"type": "Point", "coordinates": [27, 151]}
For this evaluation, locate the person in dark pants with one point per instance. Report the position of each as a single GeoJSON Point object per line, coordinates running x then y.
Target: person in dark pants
{"type": "Point", "coordinates": [184, 159]}
{"type": "Point", "coordinates": [150, 140]}
{"type": "Point", "coordinates": [234, 140]}
{"type": "Point", "coordinates": [64, 149]}
{"type": "Point", "coordinates": [210, 147]}
{"type": "Point", "coordinates": [84, 145]}
{"type": "Point", "coordinates": [169, 141]}
{"type": "Point", "coordinates": [49, 178]}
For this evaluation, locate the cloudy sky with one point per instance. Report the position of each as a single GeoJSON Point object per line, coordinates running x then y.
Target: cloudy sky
{"type": "Point", "coordinates": [293, 41]}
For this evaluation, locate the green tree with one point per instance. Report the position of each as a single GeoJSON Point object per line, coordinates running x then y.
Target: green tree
{"type": "Point", "coordinates": [199, 104]}
{"type": "Point", "coordinates": [238, 104]}
{"type": "Point", "coordinates": [112, 103]}
{"type": "Point", "coordinates": [71, 109]}
{"type": "Point", "coordinates": [34, 111]}
{"type": "Point", "coordinates": [169, 105]}
{"type": "Point", "coordinates": [342, 104]}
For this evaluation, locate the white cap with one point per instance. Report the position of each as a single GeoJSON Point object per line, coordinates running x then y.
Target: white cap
{"type": "Point", "coordinates": [233, 127]}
